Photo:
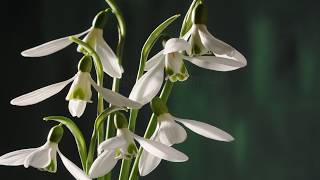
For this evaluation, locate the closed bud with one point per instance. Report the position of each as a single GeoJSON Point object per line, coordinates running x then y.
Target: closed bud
{"type": "Point", "coordinates": [158, 106]}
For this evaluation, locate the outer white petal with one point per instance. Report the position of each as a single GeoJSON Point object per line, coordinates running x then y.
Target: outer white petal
{"type": "Point", "coordinates": [215, 45]}
{"type": "Point", "coordinates": [39, 158]}
{"type": "Point", "coordinates": [108, 58]}
{"type": "Point", "coordinates": [112, 143]}
{"type": "Point", "coordinates": [104, 163]}
{"type": "Point", "coordinates": [149, 162]}
{"type": "Point", "coordinates": [16, 158]}
{"type": "Point", "coordinates": [115, 98]}
{"type": "Point", "coordinates": [215, 63]}
{"type": "Point", "coordinates": [206, 130]}
{"type": "Point", "coordinates": [77, 107]}
{"type": "Point", "coordinates": [40, 94]}
{"type": "Point", "coordinates": [149, 85]}
{"type": "Point", "coordinates": [154, 61]}
{"type": "Point", "coordinates": [160, 150]}
{"type": "Point", "coordinates": [50, 47]}
{"type": "Point", "coordinates": [176, 45]}
{"type": "Point", "coordinates": [171, 133]}
{"type": "Point", "coordinates": [74, 170]}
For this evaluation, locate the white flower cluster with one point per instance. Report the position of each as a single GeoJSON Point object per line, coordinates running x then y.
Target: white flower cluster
{"type": "Point", "coordinates": [197, 46]}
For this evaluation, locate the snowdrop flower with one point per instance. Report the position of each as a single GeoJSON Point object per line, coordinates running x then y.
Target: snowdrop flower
{"type": "Point", "coordinates": [207, 51]}
{"type": "Point", "coordinates": [44, 157]}
{"type": "Point", "coordinates": [79, 94]}
{"type": "Point", "coordinates": [123, 146]}
{"type": "Point", "coordinates": [94, 37]}
{"type": "Point", "coordinates": [171, 59]}
{"type": "Point", "coordinates": [170, 132]}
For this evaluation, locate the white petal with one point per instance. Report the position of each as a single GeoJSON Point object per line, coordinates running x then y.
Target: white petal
{"type": "Point", "coordinates": [171, 133]}
{"type": "Point", "coordinates": [50, 47]}
{"type": "Point", "coordinates": [16, 158]}
{"type": "Point", "coordinates": [215, 63]}
{"type": "Point", "coordinates": [108, 58]}
{"type": "Point", "coordinates": [112, 143]}
{"type": "Point", "coordinates": [74, 170]}
{"type": "Point", "coordinates": [77, 107]}
{"type": "Point", "coordinates": [206, 130]}
{"type": "Point", "coordinates": [154, 61]}
{"type": "Point", "coordinates": [148, 163]}
{"type": "Point", "coordinates": [149, 85]}
{"type": "Point", "coordinates": [160, 150]}
{"type": "Point", "coordinates": [39, 158]}
{"type": "Point", "coordinates": [188, 34]}
{"type": "Point", "coordinates": [104, 163]}
{"type": "Point", "coordinates": [115, 98]}
{"type": "Point", "coordinates": [212, 43]}
{"type": "Point", "coordinates": [176, 45]}
{"type": "Point", "coordinates": [40, 94]}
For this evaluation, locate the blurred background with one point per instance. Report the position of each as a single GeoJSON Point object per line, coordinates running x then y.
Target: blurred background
{"type": "Point", "coordinates": [270, 107]}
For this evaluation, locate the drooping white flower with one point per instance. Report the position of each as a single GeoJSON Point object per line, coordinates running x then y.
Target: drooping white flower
{"type": "Point", "coordinates": [43, 158]}
{"type": "Point", "coordinates": [170, 132]}
{"type": "Point", "coordinates": [94, 38]}
{"type": "Point", "coordinates": [171, 59]}
{"type": "Point", "coordinates": [206, 50]}
{"type": "Point", "coordinates": [123, 146]}
{"type": "Point", "coordinates": [79, 94]}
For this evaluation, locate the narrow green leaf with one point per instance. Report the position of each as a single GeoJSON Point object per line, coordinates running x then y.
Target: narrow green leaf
{"type": "Point", "coordinates": [187, 23]}
{"type": "Point", "coordinates": [151, 41]}
{"type": "Point", "coordinates": [77, 134]}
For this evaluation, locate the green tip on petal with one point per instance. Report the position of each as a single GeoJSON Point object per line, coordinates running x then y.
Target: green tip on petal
{"type": "Point", "coordinates": [85, 64]}
{"type": "Point", "coordinates": [200, 15]}
{"type": "Point", "coordinates": [120, 121]}
{"type": "Point", "coordinates": [158, 106]}
{"type": "Point", "coordinates": [55, 134]}
{"type": "Point", "coordinates": [100, 20]}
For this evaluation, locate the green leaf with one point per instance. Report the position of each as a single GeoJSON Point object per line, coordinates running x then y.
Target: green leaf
{"type": "Point", "coordinates": [77, 134]}
{"type": "Point", "coordinates": [152, 39]}
{"type": "Point", "coordinates": [187, 22]}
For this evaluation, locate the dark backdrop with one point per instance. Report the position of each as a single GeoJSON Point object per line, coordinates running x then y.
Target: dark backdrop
{"type": "Point", "coordinates": [270, 107]}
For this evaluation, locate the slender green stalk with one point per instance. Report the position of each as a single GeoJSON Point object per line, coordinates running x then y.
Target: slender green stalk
{"type": "Point", "coordinates": [119, 52]}
{"type": "Point", "coordinates": [100, 106]}
{"type": "Point", "coordinates": [165, 93]}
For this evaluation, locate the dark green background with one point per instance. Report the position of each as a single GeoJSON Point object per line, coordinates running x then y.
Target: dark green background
{"type": "Point", "coordinates": [270, 106]}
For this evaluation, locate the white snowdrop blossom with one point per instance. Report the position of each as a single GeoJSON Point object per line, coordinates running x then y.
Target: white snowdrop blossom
{"type": "Point", "coordinates": [169, 132]}
{"type": "Point", "coordinates": [43, 158]}
{"type": "Point", "coordinates": [79, 94]}
{"type": "Point", "coordinates": [94, 37]}
{"type": "Point", "coordinates": [123, 147]}
{"type": "Point", "coordinates": [206, 50]}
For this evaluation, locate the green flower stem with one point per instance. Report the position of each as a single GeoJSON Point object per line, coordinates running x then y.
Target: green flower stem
{"type": "Point", "coordinates": [125, 166]}
{"type": "Point", "coordinates": [122, 30]}
{"type": "Point", "coordinates": [100, 106]}
{"type": "Point", "coordinates": [165, 93]}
